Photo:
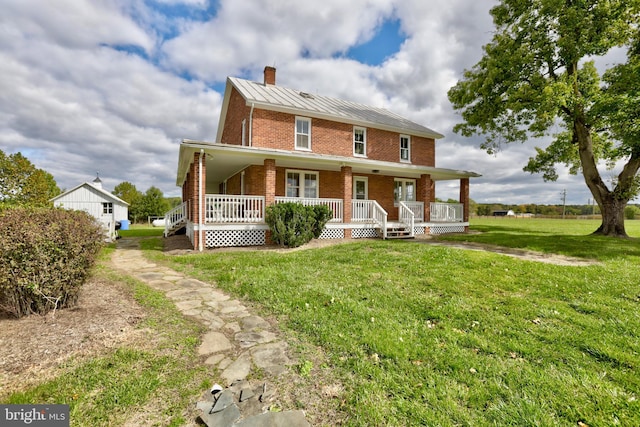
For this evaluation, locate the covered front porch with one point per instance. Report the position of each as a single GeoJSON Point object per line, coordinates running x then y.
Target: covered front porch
{"type": "Point", "coordinates": [227, 189]}
{"type": "Point", "coordinates": [239, 220]}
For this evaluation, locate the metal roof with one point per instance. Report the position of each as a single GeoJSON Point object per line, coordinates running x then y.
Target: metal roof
{"type": "Point", "coordinates": [102, 191]}
{"type": "Point", "coordinates": [278, 98]}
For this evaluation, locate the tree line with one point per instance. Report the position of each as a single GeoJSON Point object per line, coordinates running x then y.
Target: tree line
{"type": "Point", "coordinates": [488, 209]}
{"type": "Point", "coordinates": [144, 205]}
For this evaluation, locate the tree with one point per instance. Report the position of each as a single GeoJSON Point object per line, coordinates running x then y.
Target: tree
{"type": "Point", "coordinates": [153, 203]}
{"type": "Point", "coordinates": [22, 184]}
{"type": "Point", "coordinates": [130, 194]}
{"type": "Point", "coordinates": [537, 73]}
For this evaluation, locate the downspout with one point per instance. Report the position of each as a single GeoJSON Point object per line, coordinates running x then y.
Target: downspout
{"type": "Point", "coordinates": [251, 125]}
{"type": "Point", "coordinates": [200, 217]}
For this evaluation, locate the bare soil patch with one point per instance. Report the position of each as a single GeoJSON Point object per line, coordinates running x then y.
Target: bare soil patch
{"type": "Point", "coordinates": [34, 349]}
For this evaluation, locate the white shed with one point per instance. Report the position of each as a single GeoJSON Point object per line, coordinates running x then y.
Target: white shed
{"type": "Point", "coordinates": [92, 198]}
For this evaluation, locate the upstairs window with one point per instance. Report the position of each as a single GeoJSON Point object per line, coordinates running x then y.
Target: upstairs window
{"type": "Point", "coordinates": [405, 148]}
{"type": "Point", "coordinates": [107, 208]}
{"type": "Point", "coordinates": [359, 142]}
{"type": "Point", "coordinates": [303, 133]}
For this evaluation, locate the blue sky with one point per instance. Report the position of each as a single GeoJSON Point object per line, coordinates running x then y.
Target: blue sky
{"type": "Point", "coordinates": [113, 86]}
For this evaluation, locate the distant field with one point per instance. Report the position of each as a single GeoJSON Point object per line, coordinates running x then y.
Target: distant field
{"type": "Point", "coordinates": [551, 226]}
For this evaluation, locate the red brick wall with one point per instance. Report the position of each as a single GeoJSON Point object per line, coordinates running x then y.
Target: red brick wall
{"type": "Point", "coordinates": [277, 130]}
{"type": "Point", "coordinates": [233, 184]}
{"type": "Point", "coordinates": [272, 129]}
{"type": "Point", "coordinates": [236, 112]}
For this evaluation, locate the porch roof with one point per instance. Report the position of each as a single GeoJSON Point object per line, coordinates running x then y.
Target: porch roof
{"type": "Point", "coordinates": [224, 161]}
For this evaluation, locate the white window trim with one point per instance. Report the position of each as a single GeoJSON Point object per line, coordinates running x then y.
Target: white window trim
{"type": "Point", "coordinates": [302, 188]}
{"type": "Point", "coordinates": [364, 142]}
{"type": "Point", "coordinates": [295, 133]}
{"type": "Point", "coordinates": [366, 186]}
{"type": "Point", "coordinates": [408, 148]}
{"type": "Point", "coordinates": [404, 181]}
{"type": "Point", "coordinates": [108, 207]}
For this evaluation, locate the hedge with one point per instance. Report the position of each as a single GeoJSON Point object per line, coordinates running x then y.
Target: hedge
{"type": "Point", "coordinates": [293, 224]}
{"type": "Point", "coordinates": [45, 257]}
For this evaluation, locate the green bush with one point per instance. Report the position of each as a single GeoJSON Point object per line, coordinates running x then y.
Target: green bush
{"type": "Point", "coordinates": [45, 257]}
{"type": "Point", "coordinates": [630, 212]}
{"type": "Point", "coordinates": [293, 224]}
{"type": "Point", "coordinates": [322, 215]}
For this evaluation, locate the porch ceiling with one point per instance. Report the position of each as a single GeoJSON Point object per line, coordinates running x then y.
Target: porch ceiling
{"type": "Point", "coordinates": [224, 161]}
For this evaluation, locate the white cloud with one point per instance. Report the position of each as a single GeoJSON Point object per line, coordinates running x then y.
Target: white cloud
{"type": "Point", "coordinates": [74, 104]}
{"type": "Point", "coordinates": [250, 34]}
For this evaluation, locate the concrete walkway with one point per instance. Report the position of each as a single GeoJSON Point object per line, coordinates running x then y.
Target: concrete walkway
{"type": "Point", "coordinates": [237, 343]}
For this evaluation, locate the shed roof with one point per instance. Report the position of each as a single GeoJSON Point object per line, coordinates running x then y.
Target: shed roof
{"type": "Point", "coordinates": [101, 191]}
{"type": "Point", "coordinates": [278, 98]}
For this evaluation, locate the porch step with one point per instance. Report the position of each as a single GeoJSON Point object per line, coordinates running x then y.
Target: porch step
{"type": "Point", "coordinates": [399, 233]}
{"type": "Point", "coordinates": [176, 227]}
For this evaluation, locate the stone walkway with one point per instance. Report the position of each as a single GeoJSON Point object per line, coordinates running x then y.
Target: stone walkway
{"type": "Point", "coordinates": [237, 343]}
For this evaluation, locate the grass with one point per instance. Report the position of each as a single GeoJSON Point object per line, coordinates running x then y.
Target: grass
{"type": "Point", "coordinates": [428, 335]}
{"type": "Point", "coordinates": [109, 389]}
{"type": "Point", "coordinates": [137, 230]}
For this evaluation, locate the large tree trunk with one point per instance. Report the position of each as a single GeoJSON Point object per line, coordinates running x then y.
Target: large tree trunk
{"type": "Point", "coordinates": [612, 218]}
{"type": "Point", "coordinates": [611, 204]}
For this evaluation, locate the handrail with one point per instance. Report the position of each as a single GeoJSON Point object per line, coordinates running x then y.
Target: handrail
{"type": "Point", "coordinates": [379, 215]}
{"type": "Point", "coordinates": [174, 216]}
{"type": "Point", "coordinates": [417, 208]}
{"type": "Point", "coordinates": [407, 217]}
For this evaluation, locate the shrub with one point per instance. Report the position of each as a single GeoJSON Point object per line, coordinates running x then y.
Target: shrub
{"type": "Point", "coordinates": [293, 224]}
{"type": "Point", "coordinates": [630, 212]}
{"type": "Point", "coordinates": [45, 257]}
{"type": "Point", "coordinates": [322, 215]}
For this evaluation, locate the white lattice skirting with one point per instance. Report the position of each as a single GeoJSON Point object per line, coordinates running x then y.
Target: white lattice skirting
{"type": "Point", "coordinates": [225, 238]}
{"type": "Point", "coordinates": [332, 233]}
{"type": "Point", "coordinates": [364, 233]}
{"type": "Point", "coordinates": [418, 230]}
{"type": "Point", "coordinates": [443, 229]}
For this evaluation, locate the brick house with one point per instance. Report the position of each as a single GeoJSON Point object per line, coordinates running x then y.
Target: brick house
{"type": "Point", "coordinates": [374, 169]}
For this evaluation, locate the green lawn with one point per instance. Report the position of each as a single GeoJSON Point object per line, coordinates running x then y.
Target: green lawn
{"type": "Point", "coordinates": [427, 335]}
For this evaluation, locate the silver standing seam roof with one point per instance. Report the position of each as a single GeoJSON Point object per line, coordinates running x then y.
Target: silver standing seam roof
{"type": "Point", "coordinates": [278, 98]}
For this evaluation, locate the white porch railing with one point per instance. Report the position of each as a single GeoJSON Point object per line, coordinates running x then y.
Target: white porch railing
{"type": "Point", "coordinates": [361, 210]}
{"type": "Point", "coordinates": [222, 208]}
{"type": "Point", "coordinates": [174, 217]}
{"type": "Point", "coordinates": [406, 216]}
{"type": "Point", "coordinates": [447, 212]}
{"type": "Point", "coordinates": [334, 204]}
{"type": "Point", "coordinates": [417, 208]}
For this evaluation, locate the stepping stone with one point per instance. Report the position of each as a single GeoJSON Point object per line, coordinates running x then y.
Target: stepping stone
{"type": "Point", "coordinates": [222, 401]}
{"type": "Point", "coordinates": [254, 323]}
{"type": "Point", "coordinates": [238, 370]}
{"type": "Point", "coordinates": [223, 418]}
{"type": "Point", "coordinates": [188, 305]}
{"type": "Point", "coordinates": [271, 357]}
{"type": "Point", "coordinates": [276, 419]}
{"type": "Point", "coordinates": [249, 339]}
{"type": "Point", "coordinates": [214, 342]}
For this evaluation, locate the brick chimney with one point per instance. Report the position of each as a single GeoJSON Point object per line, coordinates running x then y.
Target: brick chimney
{"type": "Point", "coordinates": [269, 75]}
